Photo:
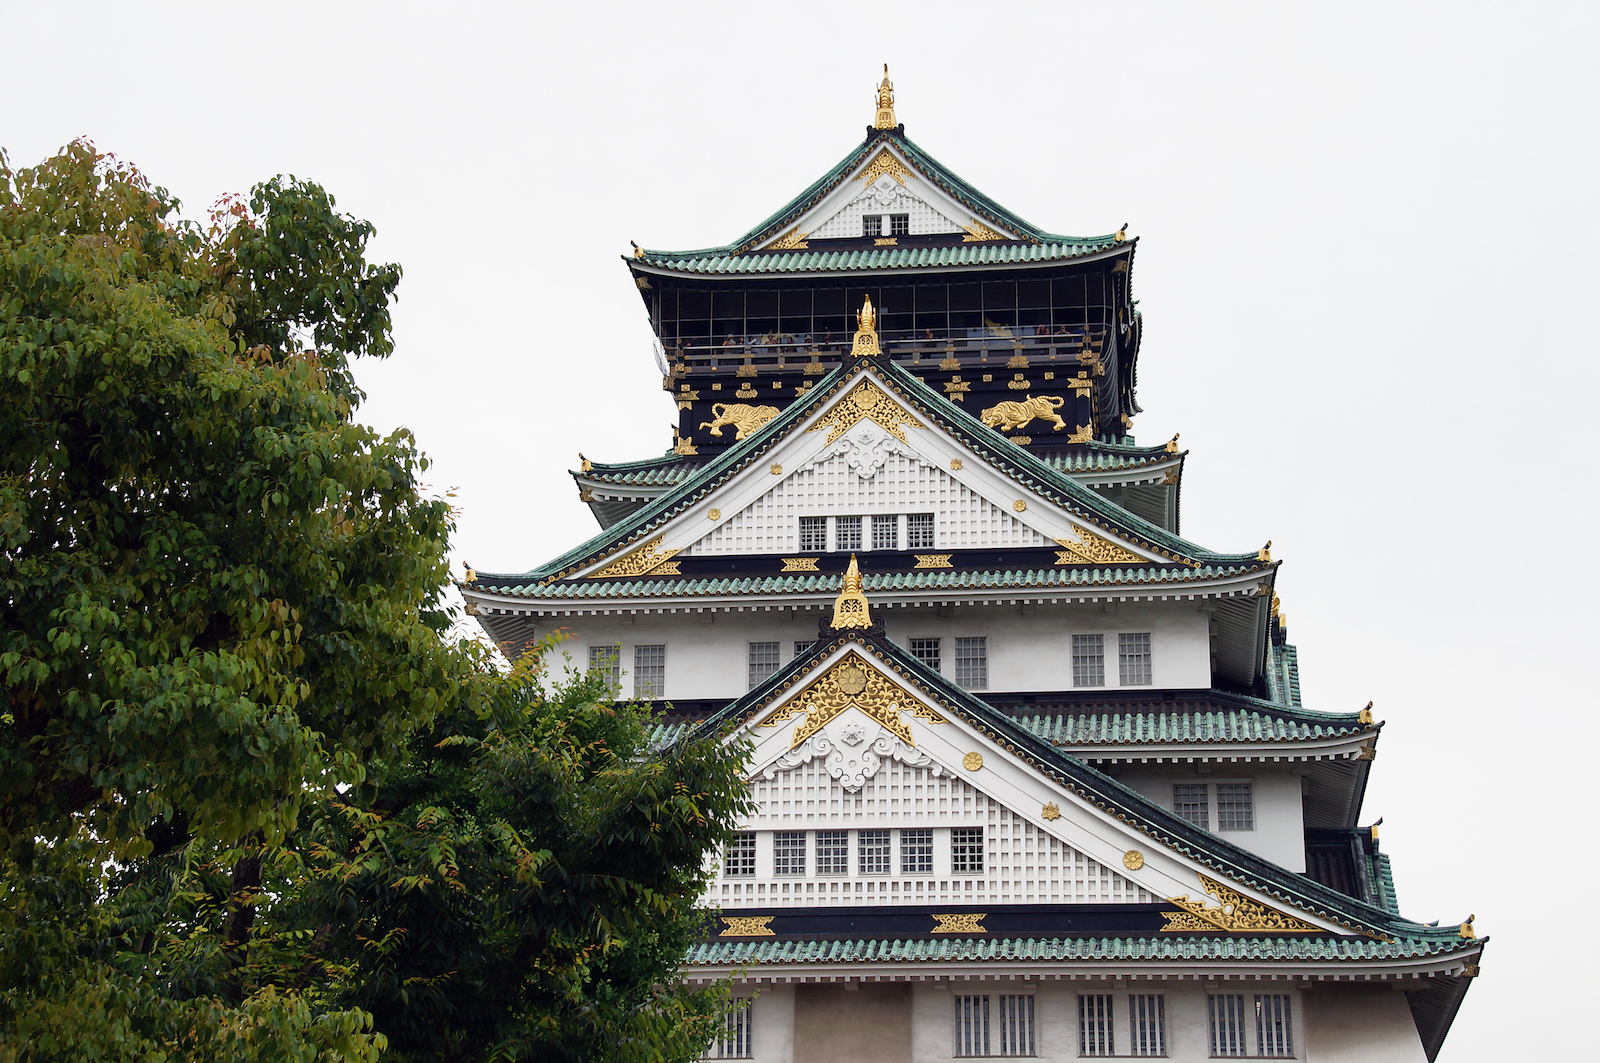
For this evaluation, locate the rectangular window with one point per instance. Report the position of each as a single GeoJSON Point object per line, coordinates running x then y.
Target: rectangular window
{"type": "Point", "coordinates": [916, 852]}
{"type": "Point", "coordinates": [607, 660]}
{"type": "Point", "coordinates": [872, 225]}
{"type": "Point", "coordinates": [966, 850]}
{"type": "Point", "coordinates": [1225, 1017]}
{"type": "Point", "coordinates": [740, 859]}
{"type": "Point", "coordinates": [763, 661]}
{"type": "Point", "coordinates": [1095, 1037]}
{"type": "Point", "coordinates": [873, 852]}
{"type": "Point", "coordinates": [814, 533]}
{"type": "Point", "coordinates": [972, 1025]}
{"type": "Point", "coordinates": [1273, 1034]}
{"type": "Point", "coordinates": [885, 532]}
{"type": "Point", "coordinates": [899, 225]}
{"type": "Point", "coordinates": [1088, 661]}
{"type": "Point", "coordinates": [803, 646]}
{"type": "Point", "coordinates": [649, 671]}
{"type": "Point", "coordinates": [1235, 806]}
{"type": "Point", "coordinates": [1133, 659]}
{"type": "Point", "coordinates": [848, 530]}
{"type": "Point", "coordinates": [1189, 802]}
{"type": "Point", "coordinates": [972, 663]}
{"type": "Point", "coordinates": [926, 651]}
{"type": "Point", "coordinates": [789, 852]}
{"type": "Point", "coordinates": [1147, 1024]}
{"type": "Point", "coordinates": [734, 1040]}
{"type": "Point", "coordinates": [1014, 1024]}
{"type": "Point", "coordinates": [833, 852]}
{"type": "Point", "coordinates": [919, 531]}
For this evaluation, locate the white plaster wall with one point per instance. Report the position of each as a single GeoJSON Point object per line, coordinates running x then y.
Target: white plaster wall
{"type": "Point", "coordinates": [707, 652]}
{"type": "Point", "coordinates": [1360, 1024]}
{"type": "Point", "coordinates": [772, 1021]}
{"type": "Point", "coordinates": [1279, 833]}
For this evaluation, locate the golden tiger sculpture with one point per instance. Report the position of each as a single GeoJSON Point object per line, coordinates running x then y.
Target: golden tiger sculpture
{"type": "Point", "coordinates": [742, 416]}
{"type": "Point", "coordinates": [1007, 416]}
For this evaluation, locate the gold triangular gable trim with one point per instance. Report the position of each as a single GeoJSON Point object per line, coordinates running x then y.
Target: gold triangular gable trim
{"type": "Point", "coordinates": [883, 163]}
{"type": "Point", "coordinates": [851, 683]}
{"type": "Point", "coordinates": [1092, 549]}
{"type": "Point", "coordinates": [866, 401]}
{"type": "Point", "coordinates": [1235, 913]}
{"type": "Point", "coordinates": [643, 561]}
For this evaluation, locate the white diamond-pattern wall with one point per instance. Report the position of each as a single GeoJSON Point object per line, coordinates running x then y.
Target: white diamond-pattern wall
{"type": "Point", "coordinates": [885, 197]}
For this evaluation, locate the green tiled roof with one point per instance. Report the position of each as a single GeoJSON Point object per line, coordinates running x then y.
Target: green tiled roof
{"type": "Point", "coordinates": [1222, 725]}
{"type": "Point", "coordinates": [1319, 948]}
{"type": "Point", "coordinates": [1385, 883]}
{"type": "Point", "coordinates": [666, 470]}
{"type": "Point", "coordinates": [1099, 457]}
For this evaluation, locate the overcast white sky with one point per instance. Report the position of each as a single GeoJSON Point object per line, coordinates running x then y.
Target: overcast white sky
{"type": "Point", "coordinates": [1365, 262]}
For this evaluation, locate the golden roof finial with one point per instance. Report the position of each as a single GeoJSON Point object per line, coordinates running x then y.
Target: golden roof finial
{"type": "Point", "coordinates": [850, 609]}
{"type": "Point", "coordinates": [884, 119]}
{"type": "Point", "coordinates": [866, 345]}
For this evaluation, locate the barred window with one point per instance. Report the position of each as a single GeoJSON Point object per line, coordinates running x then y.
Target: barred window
{"type": "Point", "coordinates": [607, 660]}
{"type": "Point", "coordinates": [899, 225]}
{"type": "Point", "coordinates": [789, 852]}
{"type": "Point", "coordinates": [1133, 659]}
{"type": "Point", "coordinates": [734, 1041]}
{"type": "Point", "coordinates": [740, 858]}
{"type": "Point", "coordinates": [1147, 1024]}
{"type": "Point", "coordinates": [1274, 1036]}
{"type": "Point", "coordinates": [972, 663]}
{"type": "Point", "coordinates": [763, 661]}
{"type": "Point", "coordinates": [872, 847]}
{"type": "Point", "coordinates": [916, 852]}
{"type": "Point", "coordinates": [649, 671]}
{"type": "Point", "coordinates": [848, 531]}
{"type": "Point", "coordinates": [919, 531]}
{"type": "Point", "coordinates": [1095, 1036]}
{"type": "Point", "coordinates": [1014, 1024]}
{"type": "Point", "coordinates": [926, 651]}
{"type": "Point", "coordinates": [1088, 661]}
{"type": "Point", "coordinates": [803, 646]}
{"type": "Point", "coordinates": [814, 533]}
{"type": "Point", "coordinates": [972, 1025]}
{"type": "Point", "coordinates": [833, 852]}
{"type": "Point", "coordinates": [1225, 1018]}
{"type": "Point", "coordinates": [1235, 806]}
{"type": "Point", "coordinates": [1189, 802]}
{"type": "Point", "coordinates": [885, 532]}
{"type": "Point", "coordinates": [966, 850]}
{"type": "Point", "coordinates": [872, 225]}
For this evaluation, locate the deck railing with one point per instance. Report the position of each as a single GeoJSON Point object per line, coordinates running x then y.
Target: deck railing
{"type": "Point", "coordinates": [1085, 343]}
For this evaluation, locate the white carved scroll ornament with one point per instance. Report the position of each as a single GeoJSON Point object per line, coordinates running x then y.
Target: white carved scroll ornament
{"type": "Point", "coordinates": [849, 757]}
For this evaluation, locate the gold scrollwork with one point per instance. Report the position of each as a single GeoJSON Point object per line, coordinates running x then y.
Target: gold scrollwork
{"type": "Point", "coordinates": [793, 240]}
{"type": "Point", "coordinates": [1051, 811]}
{"type": "Point", "coordinates": [866, 401]}
{"type": "Point", "coordinates": [646, 560]}
{"type": "Point", "coordinates": [800, 564]}
{"type": "Point", "coordinates": [1235, 912]}
{"type": "Point", "coordinates": [1091, 549]}
{"type": "Point", "coordinates": [932, 561]}
{"type": "Point", "coordinates": [978, 231]}
{"type": "Point", "coordinates": [851, 683]}
{"type": "Point", "coordinates": [959, 923]}
{"type": "Point", "coordinates": [884, 163]}
{"type": "Point", "coordinates": [748, 926]}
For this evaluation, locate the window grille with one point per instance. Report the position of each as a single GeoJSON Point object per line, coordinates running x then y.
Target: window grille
{"type": "Point", "coordinates": [1225, 1013]}
{"type": "Point", "coordinates": [607, 660]}
{"type": "Point", "coordinates": [763, 661]}
{"type": "Point", "coordinates": [1189, 802]}
{"type": "Point", "coordinates": [803, 646]}
{"type": "Point", "coordinates": [1274, 1036]}
{"type": "Point", "coordinates": [833, 852]}
{"type": "Point", "coordinates": [789, 852]}
{"type": "Point", "coordinates": [734, 1041]}
{"type": "Point", "coordinates": [966, 850]}
{"type": "Point", "coordinates": [972, 1025]}
{"type": "Point", "coordinates": [1014, 1024]}
{"type": "Point", "coordinates": [916, 852]}
{"type": "Point", "coordinates": [919, 531]}
{"type": "Point", "coordinates": [1095, 1036]}
{"type": "Point", "coordinates": [1088, 661]}
{"type": "Point", "coordinates": [649, 671]}
{"type": "Point", "coordinates": [1133, 659]}
{"type": "Point", "coordinates": [1235, 806]}
{"type": "Point", "coordinates": [873, 852]}
{"type": "Point", "coordinates": [872, 225]}
{"type": "Point", "coordinates": [1147, 1022]}
{"type": "Point", "coordinates": [972, 663]}
{"type": "Point", "coordinates": [926, 651]}
{"type": "Point", "coordinates": [814, 533]}
{"type": "Point", "coordinates": [899, 225]}
{"type": "Point", "coordinates": [885, 532]}
{"type": "Point", "coordinates": [848, 530]}
{"type": "Point", "coordinates": [740, 858]}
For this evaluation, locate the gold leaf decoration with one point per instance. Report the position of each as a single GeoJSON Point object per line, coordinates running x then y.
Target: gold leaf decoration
{"type": "Point", "coordinates": [933, 561]}
{"type": "Point", "coordinates": [1051, 811]}
{"type": "Point", "coordinates": [793, 240]}
{"type": "Point", "coordinates": [743, 417]}
{"type": "Point", "coordinates": [643, 561]}
{"type": "Point", "coordinates": [1235, 913]}
{"type": "Point", "coordinates": [972, 761]}
{"type": "Point", "coordinates": [884, 163]}
{"type": "Point", "coordinates": [866, 401]}
{"type": "Point", "coordinates": [752, 926]}
{"type": "Point", "coordinates": [1084, 433]}
{"type": "Point", "coordinates": [978, 231]}
{"type": "Point", "coordinates": [800, 564]}
{"type": "Point", "coordinates": [959, 923]}
{"type": "Point", "coordinates": [1133, 859]}
{"type": "Point", "coordinates": [851, 684]}
{"type": "Point", "coordinates": [1091, 549]}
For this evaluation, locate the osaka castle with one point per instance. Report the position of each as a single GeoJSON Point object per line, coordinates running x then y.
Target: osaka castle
{"type": "Point", "coordinates": [1035, 773]}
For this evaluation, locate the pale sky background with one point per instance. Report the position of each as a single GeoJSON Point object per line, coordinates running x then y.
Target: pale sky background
{"type": "Point", "coordinates": [1366, 265]}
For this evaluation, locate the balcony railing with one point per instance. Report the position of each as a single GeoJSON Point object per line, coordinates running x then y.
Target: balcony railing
{"type": "Point", "coordinates": [1081, 343]}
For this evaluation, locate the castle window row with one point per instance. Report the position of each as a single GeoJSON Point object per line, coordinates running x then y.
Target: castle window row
{"type": "Point", "coordinates": [884, 531]}
{"type": "Point", "coordinates": [1234, 805]}
{"type": "Point", "coordinates": [873, 850]}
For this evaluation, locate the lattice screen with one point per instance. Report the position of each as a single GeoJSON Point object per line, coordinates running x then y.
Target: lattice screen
{"type": "Point", "coordinates": [847, 223]}
{"type": "Point", "coordinates": [963, 519]}
{"type": "Point", "coordinates": [1022, 864]}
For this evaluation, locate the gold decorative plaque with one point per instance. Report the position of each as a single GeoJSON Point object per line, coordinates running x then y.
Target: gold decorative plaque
{"type": "Point", "coordinates": [777, 470]}
{"type": "Point", "coordinates": [1236, 912]}
{"type": "Point", "coordinates": [932, 561]}
{"type": "Point", "coordinates": [714, 514]}
{"type": "Point", "coordinates": [1084, 433]}
{"type": "Point", "coordinates": [1091, 549]}
{"type": "Point", "coordinates": [955, 464]}
{"type": "Point", "coordinates": [753, 926]}
{"type": "Point", "coordinates": [646, 560]}
{"type": "Point", "coordinates": [851, 683]}
{"type": "Point", "coordinates": [800, 564]}
{"type": "Point", "coordinates": [972, 761]}
{"type": "Point", "coordinates": [963, 923]}
{"type": "Point", "coordinates": [866, 401]}
{"type": "Point", "coordinates": [684, 444]}
{"type": "Point", "coordinates": [1051, 811]}
{"type": "Point", "coordinates": [1020, 505]}
{"type": "Point", "coordinates": [1133, 859]}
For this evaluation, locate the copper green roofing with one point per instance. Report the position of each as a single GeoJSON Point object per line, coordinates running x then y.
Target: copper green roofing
{"type": "Point", "coordinates": [1232, 725]}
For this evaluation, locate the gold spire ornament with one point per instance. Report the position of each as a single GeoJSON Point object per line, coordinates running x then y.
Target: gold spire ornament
{"type": "Point", "coordinates": [866, 345]}
{"type": "Point", "coordinates": [884, 119]}
{"type": "Point", "coordinates": [850, 609]}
